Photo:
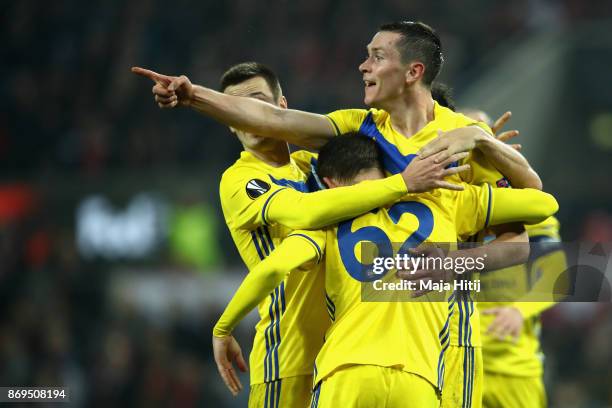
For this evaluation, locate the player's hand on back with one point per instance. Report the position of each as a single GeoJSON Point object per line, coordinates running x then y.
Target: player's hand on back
{"type": "Point", "coordinates": [169, 91]}
{"type": "Point", "coordinates": [454, 141]}
{"type": "Point", "coordinates": [227, 350]}
{"type": "Point", "coordinates": [427, 174]}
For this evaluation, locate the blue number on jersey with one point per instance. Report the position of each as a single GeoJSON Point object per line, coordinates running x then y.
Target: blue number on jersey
{"type": "Point", "coordinates": [348, 239]}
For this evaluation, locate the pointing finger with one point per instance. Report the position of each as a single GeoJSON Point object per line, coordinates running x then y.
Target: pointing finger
{"type": "Point", "coordinates": [152, 75]}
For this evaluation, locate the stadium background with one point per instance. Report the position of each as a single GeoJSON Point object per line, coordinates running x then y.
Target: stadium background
{"type": "Point", "coordinates": [114, 259]}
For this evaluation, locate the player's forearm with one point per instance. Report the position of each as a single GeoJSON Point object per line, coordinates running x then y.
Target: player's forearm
{"type": "Point", "coordinates": [509, 162]}
{"type": "Point", "coordinates": [507, 249]}
{"type": "Point", "coordinates": [528, 206]}
{"type": "Point", "coordinates": [262, 280]}
{"type": "Point", "coordinates": [256, 286]}
{"type": "Point", "coordinates": [316, 210]}
{"type": "Point", "coordinates": [254, 116]}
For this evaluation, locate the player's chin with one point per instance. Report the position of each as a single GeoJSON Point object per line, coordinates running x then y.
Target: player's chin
{"type": "Point", "coordinates": [370, 98]}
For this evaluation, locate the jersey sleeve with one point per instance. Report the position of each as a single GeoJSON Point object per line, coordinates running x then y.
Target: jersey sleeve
{"type": "Point", "coordinates": [347, 120]}
{"type": "Point", "coordinates": [244, 194]}
{"type": "Point", "coordinates": [295, 209]}
{"type": "Point", "coordinates": [473, 210]}
{"type": "Point", "coordinates": [481, 206]}
{"type": "Point", "coordinates": [527, 205]}
{"type": "Point", "coordinates": [298, 249]}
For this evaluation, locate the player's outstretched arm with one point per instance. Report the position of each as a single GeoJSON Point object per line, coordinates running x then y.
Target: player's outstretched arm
{"type": "Point", "coordinates": [508, 207]}
{"type": "Point", "coordinates": [316, 210]}
{"type": "Point", "coordinates": [295, 251]}
{"type": "Point", "coordinates": [528, 206]}
{"type": "Point", "coordinates": [509, 210]}
{"type": "Point", "coordinates": [301, 128]}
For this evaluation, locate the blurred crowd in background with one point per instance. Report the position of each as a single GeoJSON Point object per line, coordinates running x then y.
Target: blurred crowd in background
{"type": "Point", "coordinates": [98, 186]}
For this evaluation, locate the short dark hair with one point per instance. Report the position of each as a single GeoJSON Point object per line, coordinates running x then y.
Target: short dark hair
{"type": "Point", "coordinates": [443, 94]}
{"type": "Point", "coordinates": [344, 156]}
{"type": "Point", "coordinates": [247, 70]}
{"type": "Point", "coordinates": [419, 42]}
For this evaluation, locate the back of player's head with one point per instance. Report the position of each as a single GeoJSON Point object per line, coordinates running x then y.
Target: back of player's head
{"type": "Point", "coordinates": [443, 94]}
{"type": "Point", "coordinates": [345, 156]}
{"type": "Point", "coordinates": [247, 70]}
{"type": "Point", "coordinates": [419, 42]}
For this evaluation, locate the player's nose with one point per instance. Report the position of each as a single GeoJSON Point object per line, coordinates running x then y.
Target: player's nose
{"type": "Point", "coordinates": [364, 66]}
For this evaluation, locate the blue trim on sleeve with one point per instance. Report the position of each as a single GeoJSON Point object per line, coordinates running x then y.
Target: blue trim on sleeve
{"type": "Point", "coordinates": [319, 252]}
{"type": "Point", "coordinates": [488, 206]}
{"type": "Point", "coordinates": [335, 125]}
{"type": "Point", "coordinates": [263, 209]}
{"type": "Point", "coordinates": [296, 185]}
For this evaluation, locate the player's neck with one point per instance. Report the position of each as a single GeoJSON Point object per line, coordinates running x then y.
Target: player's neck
{"type": "Point", "coordinates": [275, 157]}
{"type": "Point", "coordinates": [412, 114]}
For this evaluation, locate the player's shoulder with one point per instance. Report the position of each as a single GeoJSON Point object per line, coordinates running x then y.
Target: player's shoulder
{"type": "Point", "coordinates": [245, 169]}
{"type": "Point", "coordinates": [246, 164]}
{"type": "Point", "coordinates": [378, 115]}
{"type": "Point", "coordinates": [304, 156]}
{"type": "Point", "coordinates": [453, 119]}
{"type": "Point", "coordinates": [351, 114]}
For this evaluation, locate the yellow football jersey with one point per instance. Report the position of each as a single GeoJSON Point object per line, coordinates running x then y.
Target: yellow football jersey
{"type": "Point", "coordinates": [547, 262]}
{"type": "Point", "coordinates": [260, 204]}
{"type": "Point", "coordinates": [293, 318]}
{"type": "Point", "coordinates": [410, 335]}
{"type": "Point", "coordinates": [398, 150]}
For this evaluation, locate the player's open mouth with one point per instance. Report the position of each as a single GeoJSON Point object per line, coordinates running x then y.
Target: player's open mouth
{"type": "Point", "coordinates": [369, 84]}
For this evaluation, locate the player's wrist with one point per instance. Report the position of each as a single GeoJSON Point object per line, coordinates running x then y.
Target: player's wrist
{"type": "Point", "coordinates": [193, 96]}
{"type": "Point", "coordinates": [220, 333]}
{"type": "Point", "coordinates": [482, 139]}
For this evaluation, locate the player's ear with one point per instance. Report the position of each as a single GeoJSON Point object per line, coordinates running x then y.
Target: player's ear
{"type": "Point", "coordinates": [282, 102]}
{"type": "Point", "coordinates": [330, 183]}
{"type": "Point", "coordinates": [414, 72]}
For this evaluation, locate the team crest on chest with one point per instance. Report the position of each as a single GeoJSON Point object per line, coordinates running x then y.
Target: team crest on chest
{"type": "Point", "coordinates": [256, 188]}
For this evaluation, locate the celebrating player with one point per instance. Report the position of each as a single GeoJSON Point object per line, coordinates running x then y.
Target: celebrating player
{"type": "Point", "coordinates": [262, 196]}
{"type": "Point", "coordinates": [379, 353]}
{"type": "Point", "coordinates": [403, 60]}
